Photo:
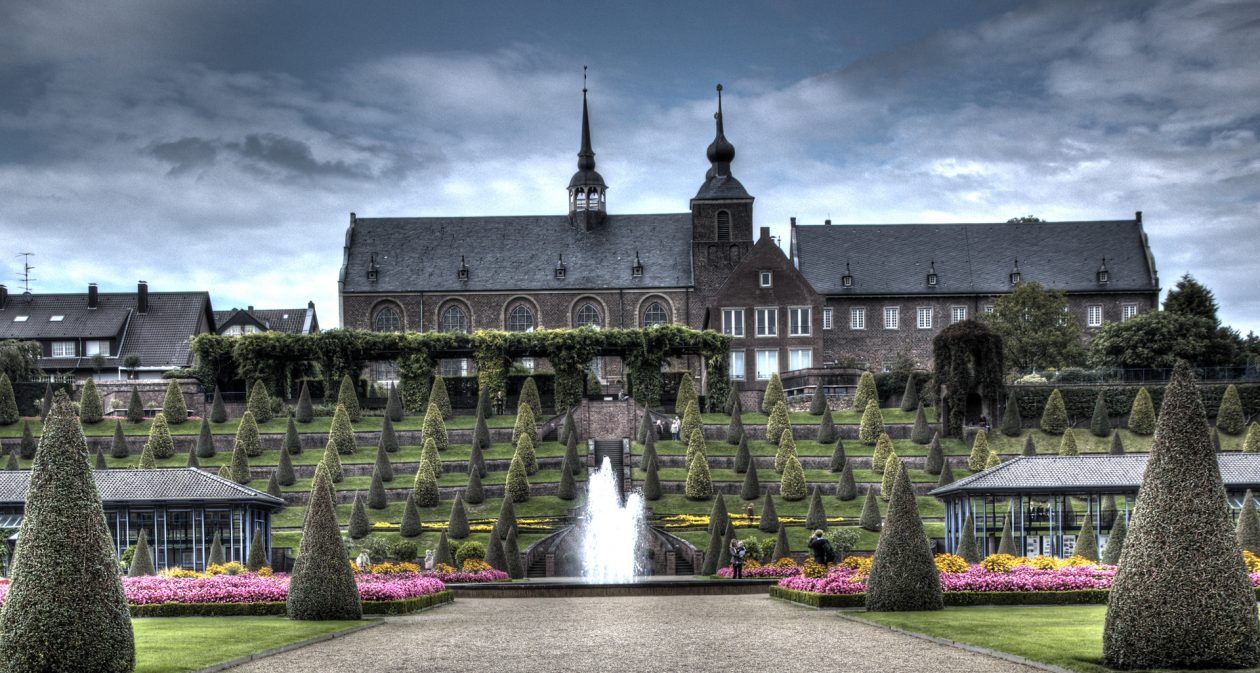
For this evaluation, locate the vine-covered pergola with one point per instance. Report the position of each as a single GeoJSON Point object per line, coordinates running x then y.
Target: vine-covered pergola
{"type": "Point", "coordinates": [279, 358]}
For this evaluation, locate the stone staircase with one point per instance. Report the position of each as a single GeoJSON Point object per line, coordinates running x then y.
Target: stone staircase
{"type": "Point", "coordinates": [613, 450]}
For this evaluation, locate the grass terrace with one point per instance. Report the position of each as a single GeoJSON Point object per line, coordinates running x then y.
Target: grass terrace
{"type": "Point", "coordinates": [278, 425]}
{"type": "Point", "coordinates": [182, 644]}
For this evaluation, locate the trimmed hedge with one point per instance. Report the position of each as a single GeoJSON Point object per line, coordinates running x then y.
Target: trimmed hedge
{"type": "Point", "coordinates": [402, 607]}
{"type": "Point", "coordinates": [1079, 401]}
{"type": "Point", "coordinates": [955, 599]}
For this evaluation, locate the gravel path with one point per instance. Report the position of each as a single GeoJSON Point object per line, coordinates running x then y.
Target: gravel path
{"type": "Point", "coordinates": [649, 634]}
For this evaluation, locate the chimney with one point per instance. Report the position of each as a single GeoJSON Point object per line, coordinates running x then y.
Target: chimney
{"type": "Point", "coordinates": [765, 233]}
{"type": "Point", "coordinates": [4, 297]}
{"type": "Point", "coordinates": [93, 297]}
{"type": "Point", "coordinates": [793, 221]}
{"type": "Point", "coordinates": [250, 308]}
{"type": "Point", "coordinates": [827, 221]}
{"type": "Point", "coordinates": [1138, 216]}
{"type": "Point", "coordinates": [142, 297]}
{"type": "Point", "coordinates": [310, 304]}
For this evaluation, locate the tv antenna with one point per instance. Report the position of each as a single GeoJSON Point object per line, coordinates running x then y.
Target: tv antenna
{"type": "Point", "coordinates": [26, 271]}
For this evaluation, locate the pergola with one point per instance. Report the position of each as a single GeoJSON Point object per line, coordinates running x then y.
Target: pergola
{"type": "Point", "coordinates": [1050, 496]}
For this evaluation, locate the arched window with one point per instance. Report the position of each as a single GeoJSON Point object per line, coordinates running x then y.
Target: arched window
{"type": "Point", "coordinates": [587, 314]}
{"type": "Point", "coordinates": [387, 319]}
{"type": "Point", "coordinates": [723, 225]}
{"type": "Point", "coordinates": [520, 319]}
{"type": "Point", "coordinates": [454, 320]}
{"type": "Point", "coordinates": [654, 315]}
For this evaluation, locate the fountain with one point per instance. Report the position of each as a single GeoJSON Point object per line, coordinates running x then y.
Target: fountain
{"type": "Point", "coordinates": [611, 530]}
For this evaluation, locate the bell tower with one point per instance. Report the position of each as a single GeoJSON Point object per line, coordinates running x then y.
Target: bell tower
{"type": "Point", "coordinates": [587, 191]}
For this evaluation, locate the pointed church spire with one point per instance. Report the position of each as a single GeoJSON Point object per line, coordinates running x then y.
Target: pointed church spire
{"type": "Point", "coordinates": [721, 152]}
{"type": "Point", "coordinates": [586, 155]}
{"type": "Point", "coordinates": [587, 188]}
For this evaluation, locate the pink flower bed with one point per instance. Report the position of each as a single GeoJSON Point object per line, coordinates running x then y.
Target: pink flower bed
{"type": "Point", "coordinates": [763, 572]}
{"type": "Point", "coordinates": [460, 577]}
{"type": "Point", "coordinates": [396, 587]}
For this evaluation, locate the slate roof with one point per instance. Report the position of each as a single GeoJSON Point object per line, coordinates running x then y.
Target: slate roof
{"type": "Point", "coordinates": [975, 258]}
{"type": "Point", "coordinates": [290, 320]}
{"type": "Point", "coordinates": [718, 187]}
{"type": "Point", "coordinates": [1091, 473]}
{"type": "Point", "coordinates": [160, 336]}
{"type": "Point", "coordinates": [516, 253]}
{"type": "Point", "coordinates": [182, 485]}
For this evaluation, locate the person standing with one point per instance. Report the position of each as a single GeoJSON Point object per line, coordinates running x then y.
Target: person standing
{"type": "Point", "coordinates": [821, 546]}
{"type": "Point", "coordinates": [674, 426]}
{"type": "Point", "coordinates": [738, 554]}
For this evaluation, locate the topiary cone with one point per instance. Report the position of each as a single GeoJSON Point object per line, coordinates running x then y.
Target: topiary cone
{"type": "Point", "coordinates": [904, 575]}
{"type": "Point", "coordinates": [322, 585]}
{"type": "Point", "coordinates": [769, 521]}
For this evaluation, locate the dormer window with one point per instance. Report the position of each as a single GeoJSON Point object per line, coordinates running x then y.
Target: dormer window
{"type": "Point", "coordinates": [847, 279]}
{"type": "Point", "coordinates": [462, 273]}
{"type": "Point", "coordinates": [765, 278]}
{"type": "Point", "coordinates": [931, 275]}
{"type": "Point", "coordinates": [636, 271]}
{"type": "Point", "coordinates": [373, 271]}
{"type": "Point", "coordinates": [1015, 275]}
{"type": "Point", "coordinates": [1103, 274]}
{"type": "Point", "coordinates": [560, 268]}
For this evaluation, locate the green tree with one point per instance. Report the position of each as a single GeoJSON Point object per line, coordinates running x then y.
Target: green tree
{"type": "Point", "coordinates": [718, 514]}
{"type": "Point", "coordinates": [1248, 530]}
{"type": "Point", "coordinates": [883, 449]}
{"type": "Point", "coordinates": [529, 458]}
{"type": "Point", "coordinates": [218, 413]}
{"type": "Point", "coordinates": [569, 429]}
{"type": "Point", "coordinates": [1229, 417]}
{"type": "Point", "coordinates": [691, 422]}
{"type": "Point", "coordinates": [439, 398]}
{"type": "Point", "coordinates": [947, 475]}
{"type": "Point", "coordinates": [838, 459]}
{"type": "Point", "coordinates": [27, 447]}
{"type": "Point", "coordinates": [1117, 445]}
{"type": "Point", "coordinates": [847, 489]}
{"type": "Point", "coordinates": [1054, 418]}
{"type": "Point", "coordinates": [792, 485]}
{"type": "Point", "coordinates": [305, 410]}
{"type": "Point", "coordinates": [816, 517]}
{"type": "Point", "coordinates": [216, 556]}
{"type": "Point", "coordinates": [394, 405]}
{"type": "Point", "coordinates": [474, 494]}
{"type": "Point", "coordinates": [457, 526]}
{"type": "Point", "coordinates": [781, 547]}
{"type": "Point", "coordinates": [517, 486]}
{"type": "Point", "coordinates": [259, 402]}
{"type": "Point", "coordinates": [699, 486]}
{"type": "Point", "coordinates": [46, 407]}
{"type": "Point", "coordinates": [429, 455]}
{"type": "Point", "coordinates": [173, 404]}
{"type": "Point", "coordinates": [777, 423]}
{"type": "Point", "coordinates": [507, 518]}
{"type": "Point", "coordinates": [1115, 542]}
{"type": "Point", "coordinates": [818, 402]}
{"type": "Point", "coordinates": [922, 433]}
{"type": "Point", "coordinates": [910, 396]}
{"type": "Point", "coordinates": [769, 521]}
{"type": "Point", "coordinates": [65, 549]}
{"type": "Point", "coordinates": [348, 397]}
{"type": "Point", "coordinates": [142, 559]}
{"type": "Point", "coordinates": [1086, 540]}
{"type": "Point", "coordinates": [827, 428]}
{"type": "Point", "coordinates": [1030, 447]}
{"type": "Point", "coordinates": [525, 423]}
{"type": "Point", "coordinates": [135, 407]}
{"type": "Point", "coordinates": [341, 433]}
{"type": "Point", "coordinates": [205, 440]}
{"type": "Point", "coordinates": [935, 456]}
{"type": "Point", "coordinates": [257, 559]}
{"type": "Point", "coordinates": [90, 410]}
{"type": "Point", "coordinates": [1012, 422]}
{"type": "Point", "coordinates": [102, 465]}
{"type": "Point", "coordinates": [359, 525]}
{"type": "Point", "coordinates": [734, 430]}
{"type": "Point", "coordinates": [890, 475]}
{"type": "Point", "coordinates": [118, 447]}
{"type": "Point", "coordinates": [866, 392]}
{"type": "Point", "coordinates": [696, 446]}
{"type": "Point", "coordinates": [1100, 424]}
{"type": "Point", "coordinates": [160, 443]}
{"type": "Point", "coordinates": [292, 441]}
{"type": "Point", "coordinates": [410, 526]}
{"type": "Point", "coordinates": [751, 488]}
{"type": "Point", "coordinates": [743, 457]}
{"type": "Point", "coordinates": [322, 585]}
{"type": "Point", "coordinates": [1006, 545]}
{"type": "Point", "coordinates": [530, 396]}
{"type": "Point", "coordinates": [787, 450]}
{"type": "Point", "coordinates": [979, 452]}
{"type": "Point", "coordinates": [443, 553]}
{"type": "Point", "coordinates": [8, 401]}
{"type": "Point", "coordinates": [651, 482]}
{"type": "Point", "coordinates": [424, 489]}
{"type": "Point", "coordinates": [993, 461]}
{"type": "Point", "coordinates": [1067, 445]}
{"type": "Point", "coordinates": [512, 555]}
{"type": "Point", "coordinates": [686, 393]}
{"type": "Point", "coordinates": [1142, 414]}
{"type": "Point", "coordinates": [284, 470]}
{"type": "Point", "coordinates": [968, 548]}
{"type": "Point", "coordinates": [1159, 339]}
{"type": "Point", "coordinates": [247, 439]}
{"type": "Point", "coordinates": [1252, 442]}
{"type": "Point", "coordinates": [872, 424]}
{"type": "Point", "coordinates": [383, 465]}
{"type": "Point", "coordinates": [571, 454]}
{"type": "Point", "coordinates": [477, 460]}
{"type": "Point", "coordinates": [1035, 335]}
{"type": "Point", "coordinates": [773, 395]}
{"type": "Point", "coordinates": [1191, 298]}
{"type": "Point", "coordinates": [870, 518]}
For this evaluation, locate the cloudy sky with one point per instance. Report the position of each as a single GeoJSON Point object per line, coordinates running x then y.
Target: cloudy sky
{"type": "Point", "coordinates": [222, 145]}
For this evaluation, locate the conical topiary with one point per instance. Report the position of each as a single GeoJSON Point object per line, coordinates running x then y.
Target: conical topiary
{"type": "Point", "coordinates": [1251, 444]}
{"type": "Point", "coordinates": [517, 486]}
{"type": "Point", "coordinates": [778, 423]}
{"type": "Point", "coordinates": [322, 585]}
{"type": "Point", "coordinates": [284, 470]}
{"type": "Point", "coordinates": [388, 441]}
{"type": "Point", "coordinates": [993, 461]}
{"type": "Point", "coordinates": [686, 393]}
{"type": "Point", "coordinates": [512, 556]}
{"type": "Point", "coordinates": [724, 554]}
{"type": "Point", "coordinates": [870, 518]}
{"type": "Point", "coordinates": [571, 454]}
{"type": "Point", "coordinates": [735, 430]}
{"type": "Point", "coordinates": [1054, 418]}
{"type": "Point", "coordinates": [792, 485]}
{"type": "Point", "coordinates": [1181, 570]}
{"type": "Point", "coordinates": [733, 406]}
{"type": "Point", "coordinates": [525, 423]}
{"type": "Point", "coordinates": [246, 435]}
{"type": "Point", "coordinates": [27, 446]}
{"type": "Point", "coordinates": [1067, 444]}
{"type": "Point", "coordinates": [904, 575]}
{"type": "Point", "coordinates": [257, 558]}
{"type": "Point", "coordinates": [90, 403]}
{"type": "Point", "coordinates": [305, 412]}
{"type": "Point", "coordinates": [696, 445]}
{"type": "Point", "coordinates": [341, 433]}
{"type": "Point", "coordinates": [651, 482]}
{"type": "Point", "coordinates": [838, 458]}
{"type": "Point", "coordinates": [529, 458]}
{"type": "Point", "coordinates": [190, 462]}
{"type": "Point", "coordinates": [968, 548]}
{"type": "Point", "coordinates": [773, 395]}
{"type": "Point", "coordinates": [1142, 414]}
{"type": "Point", "coordinates": [751, 489]}
{"type": "Point", "coordinates": [712, 552]}
{"type": "Point", "coordinates": [474, 494]}
{"type": "Point", "coordinates": [1248, 530]}
{"type": "Point", "coordinates": [1117, 445]}
{"type": "Point", "coordinates": [8, 402]}
{"type": "Point", "coordinates": [142, 559]}
{"type": "Point", "coordinates": [910, 396]}
{"type": "Point", "coordinates": [947, 475]}
{"type": "Point", "coordinates": [769, 521]}
{"type": "Point", "coordinates": [1115, 542]}
{"type": "Point", "coordinates": [410, 526]}
{"type": "Point", "coordinates": [847, 489]}
{"type": "Point", "coordinates": [394, 405]}
{"type": "Point", "coordinates": [377, 497]}
{"type": "Point", "coordinates": [259, 402]}
{"type": "Point", "coordinates": [816, 517]}
{"type": "Point", "coordinates": [568, 488]}
{"type": "Point", "coordinates": [890, 475]}
{"type": "Point", "coordinates": [935, 461]}
{"type": "Point", "coordinates": [872, 424]}
{"type": "Point", "coordinates": [218, 413]}
{"type": "Point", "coordinates": [102, 465]}
{"type": "Point", "coordinates": [922, 433]}
{"type": "Point", "coordinates": [46, 407]}
{"type": "Point", "coordinates": [205, 441]}
{"type": "Point", "coordinates": [348, 397]}
{"type": "Point", "coordinates": [1030, 447]}
{"type": "Point", "coordinates": [1012, 421]}
{"type": "Point", "coordinates": [718, 515]}
{"type": "Point", "coordinates": [569, 429]}
{"type": "Point", "coordinates": [979, 452]}
{"type": "Point", "coordinates": [443, 554]}
{"type": "Point", "coordinates": [1100, 424]}
{"type": "Point", "coordinates": [476, 460]}
{"type": "Point", "coordinates": [12, 463]}
{"type": "Point", "coordinates": [507, 518]}
{"type": "Point", "coordinates": [827, 428]}
{"type": "Point", "coordinates": [216, 556]}
{"type": "Point", "coordinates": [225, 471]}
{"type": "Point", "coordinates": [173, 405]}
{"type": "Point", "coordinates": [866, 391]}
{"type": "Point", "coordinates": [649, 453]}
{"type": "Point", "coordinates": [699, 486]}
{"type": "Point", "coordinates": [646, 428]}
{"type": "Point", "coordinates": [692, 422]}
{"type": "Point", "coordinates": [135, 407]}
{"type": "Point", "coordinates": [1087, 540]}
{"type": "Point", "coordinates": [160, 442]}
{"type": "Point", "coordinates": [818, 402]}
{"type": "Point", "coordinates": [273, 486]}
{"type": "Point", "coordinates": [1006, 544]}
{"type": "Point", "coordinates": [781, 547]}
{"type": "Point", "coordinates": [883, 449]}
{"type": "Point", "coordinates": [787, 449]}
{"type": "Point", "coordinates": [457, 526]}
{"type": "Point", "coordinates": [425, 487]}
{"type": "Point", "coordinates": [65, 610]}
{"type": "Point", "coordinates": [1229, 416]}
{"type": "Point", "coordinates": [529, 396]}
{"type": "Point", "coordinates": [383, 465]}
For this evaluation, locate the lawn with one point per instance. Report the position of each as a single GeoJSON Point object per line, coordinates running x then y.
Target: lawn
{"type": "Point", "coordinates": [278, 425]}
{"type": "Point", "coordinates": [181, 644]}
{"type": "Point", "coordinates": [407, 479]}
{"type": "Point", "coordinates": [809, 447]}
{"type": "Point", "coordinates": [811, 476]}
{"type": "Point", "coordinates": [1066, 636]}
{"type": "Point", "coordinates": [891, 415]}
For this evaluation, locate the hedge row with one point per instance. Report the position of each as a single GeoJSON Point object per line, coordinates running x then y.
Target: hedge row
{"type": "Point", "coordinates": [1079, 400]}
{"type": "Point", "coordinates": [402, 607]}
{"type": "Point", "coordinates": [958, 599]}
{"type": "Point", "coordinates": [30, 395]}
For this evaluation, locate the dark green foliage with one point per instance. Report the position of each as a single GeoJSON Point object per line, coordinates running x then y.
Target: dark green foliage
{"type": "Point", "coordinates": [713, 551]}
{"type": "Point", "coordinates": [1215, 438]}
{"type": "Point", "coordinates": [792, 483]}
{"type": "Point", "coordinates": [827, 428]}
{"type": "Point", "coordinates": [1248, 530]}
{"type": "Point", "coordinates": [438, 397]}
{"type": "Point", "coordinates": [322, 585]}
{"type": "Point", "coordinates": [481, 433]}
{"type": "Point", "coordinates": [1142, 414]}
{"type": "Point", "coordinates": [529, 456]}
{"type": "Point", "coordinates": [743, 458]}
{"type": "Point", "coordinates": [410, 526]}
{"type": "Point", "coordinates": [872, 424]}
{"type": "Point", "coordinates": [1107, 517]}
{"type": "Point", "coordinates": [142, 559]}
{"type": "Point", "coordinates": [216, 556]}
{"type": "Point", "coordinates": [457, 525]}
{"type": "Point", "coordinates": [377, 498]}
{"type": "Point", "coordinates": [12, 463]}
{"type": "Point", "coordinates": [27, 446]}
{"type": "Point", "coordinates": [646, 428]}
{"type": "Point", "coordinates": [818, 402]}
{"type": "Point", "coordinates": [686, 394]}
{"type": "Point", "coordinates": [935, 456]}
{"type": "Point", "coordinates": [649, 452]}
{"type": "Point", "coordinates": [8, 402]}
{"type": "Point", "coordinates": [273, 484]}
{"type": "Point", "coordinates": [724, 555]}
{"type": "Point", "coordinates": [160, 442]}
{"type": "Point", "coordinates": [388, 442]}
{"type": "Point", "coordinates": [968, 547]}
{"type": "Point", "coordinates": [65, 610]}
{"type": "Point", "coordinates": [173, 404]}
{"type": "Point", "coordinates": [474, 494]}
{"type": "Point", "coordinates": [1115, 542]}
{"type": "Point", "coordinates": [529, 395]}
{"type": "Point", "coordinates": [102, 465]}
{"type": "Point", "coordinates": [569, 430]}
{"type": "Point", "coordinates": [443, 553]}
{"type": "Point", "coordinates": [1012, 421]}
{"type": "Point", "coordinates": [968, 359]}
{"type": "Point", "coordinates": [425, 487]}
{"type": "Point", "coordinates": [225, 471]}
{"type": "Point", "coordinates": [1087, 540]}
{"type": "Point", "coordinates": [382, 465]}
{"type": "Point", "coordinates": [1030, 447]}
{"type": "Point", "coordinates": [218, 413]}
{"type": "Point", "coordinates": [305, 412]}
{"type": "Point", "coordinates": [947, 475]}
{"type": "Point", "coordinates": [359, 524]}
{"type": "Point", "coordinates": [1100, 424]}
{"type": "Point", "coordinates": [651, 482]}
{"type": "Point", "coordinates": [1229, 416]}
{"type": "Point", "coordinates": [517, 486]}
{"type": "Point", "coordinates": [733, 406]}
{"type": "Point", "coordinates": [257, 558]}
{"type": "Point", "coordinates": [1054, 420]}
{"type": "Point", "coordinates": [699, 484]}
{"type": "Point", "coordinates": [1007, 543]}
{"type": "Point", "coordinates": [512, 556]}
{"type": "Point", "coordinates": [867, 391]}
{"type": "Point", "coordinates": [1192, 298]}
{"type": "Point", "coordinates": [870, 518]}
{"type": "Point", "coordinates": [777, 424]}
{"type": "Point", "coordinates": [910, 397]}
{"type": "Point", "coordinates": [90, 403]}
{"type": "Point", "coordinates": [751, 490]}
{"type": "Point", "coordinates": [904, 575]}
{"type": "Point", "coordinates": [568, 488]}
{"type": "Point", "coordinates": [469, 550]}
{"type": "Point", "coordinates": [773, 395]}
{"type": "Point", "coordinates": [816, 519]}
{"type": "Point", "coordinates": [135, 407]}
{"type": "Point", "coordinates": [1181, 570]}
{"type": "Point", "coordinates": [205, 441]}
{"type": "Point", "coordinates": [781, 547]}
{"type": "Point", "coordinates": [340, 434]}
{"type": "Point", "coordinates": [847, 490]}
{"type": "Point", "coordinates": [147, 461]}
{"type": "Point", "coordinates": [922, 433]}
{"type": "Point", "coordinates": [838, 459]}
{"type": "Point", "coordinates": [292, 441]}
{"type": "Point", "coordinates": [46, 407]}
{"type": "Point", "coordinates": [348, 397]}
{"type": "Point", "coordinates": [571, 454]}
{"type": "Point", "coordinates": [507, 517]}
{"type": "Point", "coordinates": [394, 405]}
{"type": "Point", "coordinates": [476, 460]}
{"type": "Point", "coordinates": [734, 430]}
{"type": "Point", "coordinates": [246, 437]}
{"type": "Point", "coordinates": [259, 402]}
{"type": "Point", "coordinates": [192, 457]}
{"type": "Point", "coordinates": [718, 515]}
{"type": "Point", "coordinates": [284, 470]}
{"type": "Point", "coordinates": [769, 521]}
{"type": "Point", "coordinates": [496, 555]}
{"type": "Point", "coordinates": [1117, 445]}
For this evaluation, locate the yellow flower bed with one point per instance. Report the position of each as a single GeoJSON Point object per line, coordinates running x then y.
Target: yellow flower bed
{"type": "Point", "coordinates": [474, 565]}
{"type": "Point", "coordinates": [229, 568]}
{"type": "Point", "coordinates": [738, 520]}
{"type": "Point", "coordinates": [814, 569]}
{"type": "Point", "coordinates": [784, 562]}
{"type": "Point", "coordinates": [1073, 561]}
{"type": "Point", "coordinates": [951, 563]}
{"type": "Point", "coordinates": [392, 568]}
{"type": "Point", "coordinates": [1042, 563]}
{"type": "Point", "coordinates": [1252, 561]}
{"type": "Point", "coordinates": [1000, 563]}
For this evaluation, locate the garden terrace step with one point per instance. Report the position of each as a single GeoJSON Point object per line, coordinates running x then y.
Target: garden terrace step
{"type": "Point", "coordinates": [446, 493]}
{"type": "Point", "coordinates": [807, 462]}
{"type": "Point", "coordinates": [714, 431]}
{"type": "Point", "coordinates": [826, 488]}
{"type": "Point", "coordinates": [405, 468]}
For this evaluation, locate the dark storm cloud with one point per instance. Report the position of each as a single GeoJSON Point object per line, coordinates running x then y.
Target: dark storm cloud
{"type": "Point", "coordinates": [185, 154]}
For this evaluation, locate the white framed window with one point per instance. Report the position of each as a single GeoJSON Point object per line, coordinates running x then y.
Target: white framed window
{"type": "Point", "coordinates": [733, 322]}
{"type": "Point", "coordinates": [988, 308]}
{"type": "Point", "coordinates": [587, 316]}
{"type": "Point", "coordinates": [1093, 315]}
{"type": "Point", "coordinates": [520, 319]}
{"type": "Point", "coordinates": [455, 320]}
{"type": "Point", "coordinates": [857, 318]}
{"type": "Point", "coordinates": [387, 319]}
{"type": "Point", "coordinates": [91, 348]}
{"type": "Point", "coordinates": [234, 330]}
{"type": "Point", "coordinates": [892, 317]}
{"type": "Point", "coordinates": [767, 322]}
{"type": "Point", "coordinates": [826, 318]}
{"type": "Point", "coordinates": [1128, 311]}
{"type": "Point", "coordinates": [923, 317]}
{"type": "Point", "coordinates": [767, 364]}
{"type": "Point", "coordinates": [798, 321]}
{"type": "Point", "coordinates": [63, 349]}
{"type": "Point", "coordinates": [737, 366]}
{"type": "Point", "coordinates": [800, 358]}
{"type": "Point", "coordinates": [957, 314]}
{"type": "Point", "coordinates": [765, 278]}
{"type": "Point", "coordinates": [655, 315]}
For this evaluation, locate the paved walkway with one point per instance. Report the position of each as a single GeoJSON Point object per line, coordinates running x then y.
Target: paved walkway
{"type": "Point", "coordinates": [696, 634]}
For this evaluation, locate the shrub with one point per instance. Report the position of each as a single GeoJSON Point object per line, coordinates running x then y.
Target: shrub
{"type": "Point", "coordinates": [259, 402]}
{"type": "Point", "coordinates": [724, 553]}
{"type": "Point", "coordinates": [160, 443]}
{"type": "Point", "coordinates": [734, 430]}
{"type": "Point", "coordinates": [1229, 417]}
{"type": "Point", "coordinates": [1249, 525]}
{"type": "Point", "coordinates": [1086, 540]}
{"type": "Point", "coordinates": [787, 449]}
{"type": "Point", "coordinates": [847, 490]}
{"type": "Point", "coordinates": [691, 422]}
{"type": "Point", "coordinates": [1067, 445]}
{"type": "Point", "coordinates": [225, 471]}
{"type": "Point", "coordinates": [142, 558]}
{"type": "Point", "coordinates": [646, 428]}
{"type": "Point", "coordinates": [792, 485]}
{"type": "Point", "coordinates": [751, 489]}
{"type": "Point", "coordinates": [474, 494]}
{"type": "Point", "coordinates": [1142, 415]}
{"type": "Point", "coordinates": [471, 550]}
{"type": "Point", "coordinates": [512, 555]}
{"type": "Point", "coordinates": [441, 556]}
{"type": "Point", "coordinates": [322, 585]}
{"type": "Point", "coordinates": [406, 551]}
{"type": "Point", "coordinates": [529, 458]}
{"type": "Point", "coordinates": [652, 482]}
{"type": "Point", "coordinates": [525, 423]}
{"type": "Point", "coordinates": [1117, 445]}
{"type": "Point", "coordinates": [507, 518]}
{"type": "Point", "coordinates": [979, 452]}
{"type": "Point", "coordinates": [1252, 442]}
{"type": "Point", "coordinates": [517, 486]}
{"type": "Point", "coordinates": [718, 514]}
{"type": "Point", "coordinates": [844, 539]}
{"type": "Point", "coordinates": [359, 524]}
{"type": "Point", "coordinates": [743, 457]}
{"type": "Point", "coordinates": [769, 521]}
{"type": "Point", "coordinates": [1054, 419]}
{"type": "Point", "coordinates": [457, 526]}
{"type": "Point", "coordinates": [818, 402]}
{"type": "Point", "coordinates": [569, 430]}
{"type": "Point", "coordinates": [993, 461]}
{"type": "Point", "coordinates": [476, 460]}
{"type": "Point", "coordinates": [65, 546]}
{"type": "Point", "coordinates": [305, 412]}
{"type": "Point", "coordinates": [713, 551]}
{"type": "Point", "coordinates": [935, 456]}
{"type": "Point", "coordinates": [699, 486]}
{"type": "Point", "coordinates": [827, 428]}
{"type": "Point", "coordinates": [570, 454]}
{"type": "Point", "coordinates": [891, 465]}
{"type": "Point", "coordinates": [777, 424]}
{"type": "Point", "coordinates": [1181, 569]}
{"type": "Point", "coordinates": [147, 461]}
{"type": "Point", "coordinates": [205, 441]}
{"type": "Point", "coordinates": [27, 446]}
{"type": "Point", "coordinates": [773, 395]}
{"type": "Point", "coordinates": [733, 406]}
{"type": "Point", "coordinates": [348, 397]}
{"type": "Point", "coordinates": [883, 449]}
{"type": "Point", "coordinates": [1012, 422]}
{"type": "Point", "coordinates": [686, 394]}
{"type": "Point", "coordinates": [1006, 545]}
{"type": "Point", "coordinates": [870, 518]}
{"type": "Point", "coordinates": [46, 407]}
{"type": "Point", "coordinates": [910, 397]}
{"type": "Point", "coordinates": [1115, 542]}
{"type": "Point", "coordinates": [496, 556]}
{"type": "Point", "coordinates": [425, 487]}
{"type": "Point", "coordinates": [1215, 439]}
{"type": "Point", "coordinates": [866, 392]}
{"type": "Point", "coordinates": [341, 433]}
{"type": "Point", "coordinates": [696, 445]}
{"type": "Point", "coordinates": [332, 461]}
{"type": "Point", "coordinates": [173, 404]}
{"type": "Point", "coordinates": [782, 550]}
{"type": "Point", "coordinates": [529, 396]}
{"type": "Point", "coordinates": [90, 403]}
{"type": "Point", "coordinates": [135, 407]}
{"type": "Point", "coordinates": [816, 517]}
{"type": "Point", "coordinates": [921, 434]}
{"type": "Point", "coordinates": [1100, 424]}
{"type": "Point", "coordinates": [8, 402]}
{"type": "Point", "coordinates": [216, 556]}
{"type": "Point", "coordinates": [218, 413]}
{"type": "Point", "coordinates": [377, 498]}
{"type": "Point", "coordinates": [904, 575]}
{"type": "Point", "coordinates": [102, 465]}
{"type": "Point", "coordinates": [438, 397]}
{"type": "Point", "coordinates": [968, 548]}
{"type": "Point", "coordinates": [410, 525]}
{"type": "Point", "coordinates": [838, 459]}
{"type": "Point", "coordinates": [1030, 447]}
{"type": "Point", "coordinates": [872, 424]}
{"type": "Point", "coordinates": [394, 405]}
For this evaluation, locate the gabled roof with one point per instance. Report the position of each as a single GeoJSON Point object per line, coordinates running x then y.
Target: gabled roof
{"type": "Point", "coordinates": [516, 253]}
{"type": "Point", "coordinates": [78, 321]}
{"type": "Point", "coordinates": [975, 258]}
{"type": "Point", "coordinates": [290, 320]}
{"type": "Point", "coordinates": [1090, 473]}
{"type": "Point", "coordinates": [166, 485]}
{"type": "Point", "coordinates": [721, 187]}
